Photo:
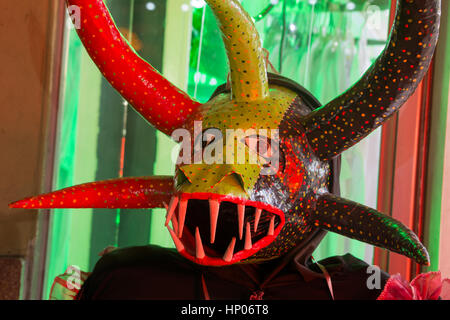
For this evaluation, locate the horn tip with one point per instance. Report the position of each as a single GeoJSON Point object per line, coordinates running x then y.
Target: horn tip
{"type": "Point", "coordinates": [21, 204]}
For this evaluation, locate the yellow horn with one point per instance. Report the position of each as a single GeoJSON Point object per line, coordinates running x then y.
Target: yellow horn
{"type": "Point", "coordinates": [245, 55]}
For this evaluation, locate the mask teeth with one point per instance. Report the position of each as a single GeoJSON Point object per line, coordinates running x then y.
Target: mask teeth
{"type": "Point", "coordinates": [213, 215]}
{"type": "Point", "coordinates": [174, 219]}
{"type": "Point", "coordinates": [248, 237]}
{"type": "Point", "coordinates": [199, 252]}
{"type": "Point", "coordinates": [178, 244]}
{"type": "Point", "coordinates": [230, 250]}
{"type": "Point", "coordinates": [181, 216]}
{"type": "Point", "coordinates": [271, 226]}
{"type": "Point", "coordinates": [257, 216]}
{"type": "Point", "coordinates": [241, 216]}
{"type": "Point", "coordinates": [171, 209]}
{"type": "Point", "coordinates": [214, 205]}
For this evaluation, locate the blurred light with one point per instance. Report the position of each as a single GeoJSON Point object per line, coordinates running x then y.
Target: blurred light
{"type": "Point", "coordinates": [351, 6]}
{"type": "Point", "coordinates": [213, 82]}
{"type": "Point", "coordinates": [198, 3]}
{"type": "Point", "coordinates": [312, 2]}
{"type": "Point", "coordinates": [274, 2]}
{"type": "Point", "coordinates": [292, 27]}
{"type": "Point", "coordinates": [150, 6]}
{"type": "Point", "coordinates": [197, 76]}
{"type": "Point", "coordinates": [184, 7]}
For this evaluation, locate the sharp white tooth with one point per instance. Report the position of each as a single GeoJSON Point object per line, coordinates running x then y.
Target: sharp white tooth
{"type": "Point", "coordinates": [257, 216]}
{"type": "Point", "coordinates": [181, 216]}
{"type": "Point", "coordinates": [174, 219]}
{"type": "Point", "coordinates": [175, 223]}
{"type": "Point", "coordinates": [213, 215]}
{"type": "Point", "coordinates": [271, 226]}
{"type": "Point", "coordinates": [171, 209]}
{"type": "Point", "coordinates": [241, 216]}
{"type": "Point", "coordinates": [199, 252]}
{"type": "Point", "coordinates": [230, 250]}
{"type": "Point", "coordinates": [178, 244]}
{"type": "Point", "coordinates": [248, 237]}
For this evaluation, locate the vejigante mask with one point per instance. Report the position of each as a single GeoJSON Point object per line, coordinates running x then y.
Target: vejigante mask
{"type": "Point", "coordinates": [223, 210]}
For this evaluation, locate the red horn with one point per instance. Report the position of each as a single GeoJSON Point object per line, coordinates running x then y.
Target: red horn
{"type": "Point", "coordinates": [130, 193]}
{"type": "Point", "coordinates": [165, 106]}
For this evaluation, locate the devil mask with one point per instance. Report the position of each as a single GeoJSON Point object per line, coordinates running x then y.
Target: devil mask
{"type": "Point", "coordinates": [225, 212]}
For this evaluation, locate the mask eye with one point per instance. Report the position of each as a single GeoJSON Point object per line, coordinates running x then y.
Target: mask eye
{"type": "Point", "coordinates": [261, 145]}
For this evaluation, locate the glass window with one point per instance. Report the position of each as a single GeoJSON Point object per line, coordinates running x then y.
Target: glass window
{"type": "Point", "coordinates": [323, 45]}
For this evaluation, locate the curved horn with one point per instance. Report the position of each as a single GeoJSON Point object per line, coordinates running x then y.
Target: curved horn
{"type": "Point", "coordinates": [243, 46]}
{"type": "Point", "coordinates": [362, 223]}
{"type": "Point", "coordinates": [384, 88]}
{"type": "Point", "coordinates": [130, 193]}
{"type": "Point", "coordinates": [155, 98]}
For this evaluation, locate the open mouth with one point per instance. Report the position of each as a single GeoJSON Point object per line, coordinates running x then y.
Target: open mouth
{"type": "Point", "coordinates": [215, 230]}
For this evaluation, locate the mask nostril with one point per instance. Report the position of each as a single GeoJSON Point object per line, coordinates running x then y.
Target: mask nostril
{"type": "Point", "coordinates": [239, 178]}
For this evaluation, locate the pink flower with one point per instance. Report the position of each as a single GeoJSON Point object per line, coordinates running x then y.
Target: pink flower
{"type": "Point", "coordinates": [426, 286]}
